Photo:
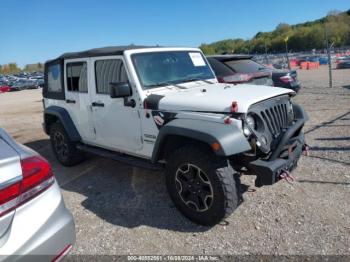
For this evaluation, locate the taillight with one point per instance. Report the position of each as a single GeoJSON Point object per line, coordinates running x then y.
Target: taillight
{"type": "Point", "coordinates": [37, 177]}
{"type": "Point", "coordinates": [9, 198]}
{"type": "Point", "coordinates": [286, 79]}
{"type": "Point", "coordinates": [236, 78]}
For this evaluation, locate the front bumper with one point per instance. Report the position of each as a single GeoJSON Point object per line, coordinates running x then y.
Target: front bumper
{"type": "Point", "coordinates": [268, 171]}
{"type": "Point", "coordinates": [286, 154]}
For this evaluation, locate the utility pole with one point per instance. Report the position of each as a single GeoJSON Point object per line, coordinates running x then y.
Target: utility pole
{"type": "Point", "coordinates": [266, 58]}
{"type": "Point", "coordinates": [329, 58]}
{"type": "Point", "coordinates": [286, 41]}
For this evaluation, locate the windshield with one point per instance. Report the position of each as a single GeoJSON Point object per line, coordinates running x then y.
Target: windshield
{"type": "Point", "coordinates": [157, 69]}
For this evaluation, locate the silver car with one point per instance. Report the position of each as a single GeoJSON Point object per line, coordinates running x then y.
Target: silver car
{"type": "Point", "coordinates": [35, 225]}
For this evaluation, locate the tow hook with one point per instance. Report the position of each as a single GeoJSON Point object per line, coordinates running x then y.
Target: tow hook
{"type": "Point", "coordinates": [286, 176]}
{"type": "Point", "coordinates": [306, 150]}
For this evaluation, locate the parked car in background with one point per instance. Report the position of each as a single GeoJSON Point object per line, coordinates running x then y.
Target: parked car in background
{"type": "Point", "coordinates": [4, 87]}
{"type": "Point", "coordinates": [343, 62]}
{"type": "Point", "coordinates": [22, 81]}
{"type": "Point", "coordinates": [280, 65]}
{"type": "Point", "coordinates": [286, 79]}
{"type": "Point", "coordinates": [33, 216]}
{"type": "Point", "coordinates": [40, 82]}
{"type": "Point", "coordinates": [3, 79]}
{"type": "Point", "coordinates": [33, 84]}
{"type": "Point", "coordinates": [23, 84]}
{"type": "Point", "coordinates": [237, 69]}
{"type": "Point", "coordinates": [17, 86]}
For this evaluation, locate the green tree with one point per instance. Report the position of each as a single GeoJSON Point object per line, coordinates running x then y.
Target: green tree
{"type": "Point", "coordinates": [338, 28]}
{"type": "Point", "coordinates": [305, 36]}
{"type": "Point", "coordinates": [207, 49]}
{"type": "Point", "coordinates": [40, 66]}
{"type": "Point", "coordinates": [13, 68]}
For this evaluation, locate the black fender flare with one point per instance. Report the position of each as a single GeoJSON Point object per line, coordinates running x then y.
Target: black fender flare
{"type": "Point", "coordinates": [230, 138]}
{"type": "Point", "coordinates": [299, 112]}
{"type": "Point", "coordinates": [64, 117]}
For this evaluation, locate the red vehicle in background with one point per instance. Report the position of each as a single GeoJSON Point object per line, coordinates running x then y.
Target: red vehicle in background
{"type": "Point", "coordinates": [238, 69]}
{"type": "Point", "coordinates": [241, 69]}
{"type": "Point", "coordinates": [4, 88]}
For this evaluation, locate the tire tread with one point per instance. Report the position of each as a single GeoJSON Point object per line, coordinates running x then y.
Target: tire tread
{"type": "Point", "coordinates": [224, 176]}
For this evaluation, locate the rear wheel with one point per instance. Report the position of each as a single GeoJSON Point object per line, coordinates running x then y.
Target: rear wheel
{"type": "Point", "coordinates": [64, 149]}
{"type": "Point", "coordinates": [201, 185]}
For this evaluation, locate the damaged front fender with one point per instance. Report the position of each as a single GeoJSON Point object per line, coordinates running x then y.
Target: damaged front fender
{"type": "Point", "coordinates": [230, 139]}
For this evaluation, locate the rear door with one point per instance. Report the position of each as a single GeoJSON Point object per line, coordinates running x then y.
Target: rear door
{"type": "Point", "coordinates": [10, 175]}
{"type": "Point", "coordinates": [78, 100]}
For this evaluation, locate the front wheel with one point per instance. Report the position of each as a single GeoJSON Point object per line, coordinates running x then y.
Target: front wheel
{"type": "Point", "coordinates": [201, 185]}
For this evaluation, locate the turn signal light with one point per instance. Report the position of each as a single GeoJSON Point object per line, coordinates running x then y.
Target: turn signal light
{"type": "Point", "coordinates": [215, 146]}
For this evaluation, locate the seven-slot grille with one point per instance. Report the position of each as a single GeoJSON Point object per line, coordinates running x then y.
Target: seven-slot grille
{"type": "Point", "coordinates": [274, 113]}
{"type": "Point", "coordinates": [276, 118]}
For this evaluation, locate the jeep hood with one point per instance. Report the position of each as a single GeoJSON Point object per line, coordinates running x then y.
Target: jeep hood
{"type": "Point", "coordinates": [216, 97]}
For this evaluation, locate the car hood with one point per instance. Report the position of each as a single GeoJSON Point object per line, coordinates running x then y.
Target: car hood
{"type": "Point", "coordinates": [216, 97]}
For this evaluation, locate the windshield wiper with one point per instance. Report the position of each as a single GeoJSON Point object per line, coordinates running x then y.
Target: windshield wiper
{"type": "Point", "coordinates": [160, 84]}
{"type": "Point", "coordinates": [178, 82]}
{"type": "Point", "coordinates": [195, 79]}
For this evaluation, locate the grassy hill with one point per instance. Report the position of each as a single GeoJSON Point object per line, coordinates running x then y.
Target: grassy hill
{"type": "Point", "coordinates": [300, 37]}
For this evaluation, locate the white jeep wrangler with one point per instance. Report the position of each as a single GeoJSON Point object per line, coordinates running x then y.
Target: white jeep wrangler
{"type": "Point", "coordinates": [156, 107]}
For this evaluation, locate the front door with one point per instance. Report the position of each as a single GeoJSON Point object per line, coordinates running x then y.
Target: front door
{"type": "Point", "coordinates": [118, 127]}
{"type": "Point", "coordinates": [78, 97]}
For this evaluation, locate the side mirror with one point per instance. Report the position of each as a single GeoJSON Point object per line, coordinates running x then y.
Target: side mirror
{"type": "Point", "coordinates": [120, 89]}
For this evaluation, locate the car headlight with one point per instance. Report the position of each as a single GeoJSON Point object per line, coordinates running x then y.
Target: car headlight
{"type": "Point", "coordinates": [290, 112]}
{"type": "Point", "coordinates": [246, 131]}
{"type": "Point", "coordinates": [249, 125]}
{"type": "Point", "coordinates": [251, 122]}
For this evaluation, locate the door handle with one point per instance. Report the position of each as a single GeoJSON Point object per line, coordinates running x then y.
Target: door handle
{"type": "Point", "coordinates": [98, 104]}
{"type": "Point", "coordinates": [70, 101]}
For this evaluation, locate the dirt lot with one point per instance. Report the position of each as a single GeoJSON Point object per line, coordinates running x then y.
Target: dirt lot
{"type": "Point", "coordinates": [124, 210]}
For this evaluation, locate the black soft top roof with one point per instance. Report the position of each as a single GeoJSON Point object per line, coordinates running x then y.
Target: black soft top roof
{"type": "Point", "coordinates": [225, 58]}
{"type": "Point", "coordinates": [103, 51]}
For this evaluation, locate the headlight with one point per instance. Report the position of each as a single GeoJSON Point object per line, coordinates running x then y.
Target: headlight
{"type": "Point", "coordinates": [251, 122]}
{"type": "Point", "coordinates": [290, 112]}
{"type": "Point", "coordinates": [290, 107]}
{"type": "Point", "coordinates": [246, 131]}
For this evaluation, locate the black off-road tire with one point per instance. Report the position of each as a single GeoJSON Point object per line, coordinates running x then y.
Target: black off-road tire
{"type": "Point", "coordinates": [218, 172]}
{"type": "Point", "coordinates": [63, 148]}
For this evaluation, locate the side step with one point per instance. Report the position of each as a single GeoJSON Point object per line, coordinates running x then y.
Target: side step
{"type": "Point", "coordinates": [126, 159]}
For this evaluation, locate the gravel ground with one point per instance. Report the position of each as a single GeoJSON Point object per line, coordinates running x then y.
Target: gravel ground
{"type": "Point", "coordinates": [124, 210]}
